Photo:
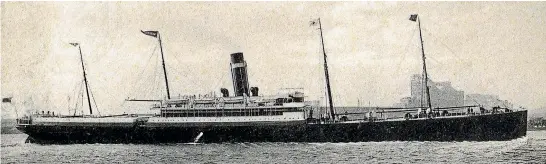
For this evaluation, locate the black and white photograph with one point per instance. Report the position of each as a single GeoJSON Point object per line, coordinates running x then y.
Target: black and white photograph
{"type": "Point", "coordinates": [273, 82]}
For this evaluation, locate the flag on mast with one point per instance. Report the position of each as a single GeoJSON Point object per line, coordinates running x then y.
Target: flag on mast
{"type": "Point", "coordinates": [150, 33]}
{"type": "Point", "coordinates": [413, 17]}
{"type": "Point", "coordinates": [74, 44]}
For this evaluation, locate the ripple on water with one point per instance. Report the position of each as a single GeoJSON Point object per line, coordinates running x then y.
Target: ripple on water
{"type": "Point", "coordinates": [530, 149]}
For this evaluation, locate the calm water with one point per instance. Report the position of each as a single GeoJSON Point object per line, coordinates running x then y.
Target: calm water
{"type": "Point", "coordinates": [530, 149]}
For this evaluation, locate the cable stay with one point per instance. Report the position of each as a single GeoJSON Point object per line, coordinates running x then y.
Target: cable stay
{"type": "Point", "coordinates": [149, 79]}
{"type": "Point", "coordinates": [77, 95]}
{"type": "Point", "coordinates": [405, 51]}
{"type": "Point", "coordinates": [442, 44]}
{"type": "Point", "coordinates": [95, 102]}
{"type": "Point", "coordinates": [79, 98]}
{"type": "Point", "coordinates": [140, 75]}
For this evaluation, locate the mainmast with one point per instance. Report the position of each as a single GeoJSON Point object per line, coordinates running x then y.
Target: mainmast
{"type": "Point", "coordinates": [157, 35]}
{"type": "Point", "coordinates": [416, 18]}
{"type": "Point", "coordinates": [332, 113]}
{"type": "Point", "coordinates": [84, 77]}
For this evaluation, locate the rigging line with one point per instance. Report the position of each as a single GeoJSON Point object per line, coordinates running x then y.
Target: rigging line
{"type": "Point", "coordinates": [173, 77]}
{"type": "Point", "coordinates": [181, 63]}
{"type": "Point", "coordinates": [76, 95]}
{"type": "Point", "coordinates": [325, 92]}
{"type": "Point", "coordinates": [106, 49]}
{"type": "Point", "coordinates": [178, 70]}
{"type": "Point", "coordinates": [107, 93]}
{"type": "Point", "coordinates": [110, 95]}
{"type": "Point", "coordinates": [179, 73]}
{"type": "Point", "coordinates": [68, 105]}
{"type": "Point", "coordinates": [423, 87]}
{"type": "Point", "coordinates": [82, 98]}
{"type": "Point", "coordinates": [147, 63]}
{"type": "Point", "coordinates": [152, 91]}
{"type": "Point", "coordinates": [183, 72]}
{"type": "Point", "coordinates": [142, 89]}
{"type": "Point", "coordinates": [96, 107]}
{"type": "Point", "coordinates": [89, 86]}
{"type": "Point", "coordinates": [406, 50]}
{"type": "Point", "coordinates": [434, 59]}
{"type": "Point", "coordinates": [93, 96]}
{"type": "Point", "coordinates": [76, 91]}
{"type": "Point", "coordinates": [450, 49]}
{"type": "Point", "coordinates": [80, 95]}
{"type": "Point", "coordinates": [443, 44]}
{"type": "Point", "coordinates": [77, 100]}
{"type": "Point", "coordinates": [73, 94]}
{"type": "Point", "coordinates": [149, 85]}
{"type": "Point", "coordinates": [218, 83]}
{"type": "Point", "coordinates": [157, 79]}
{"type": "Point", "coordinates": [139, 76]}
{"type": "Point", "coordinates": [326, 101]}
{"type": "Point", "coordinates": [154, 86]}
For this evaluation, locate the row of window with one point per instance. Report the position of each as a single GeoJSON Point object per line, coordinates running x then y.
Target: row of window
{"type": "Point", "coordinates": [291, 118]}
{"type": "Point", "coordinates": [214, 105]}
{"type": "Point", "coordinates": [178, 110]}
{"type": "Point", "coordinates": [219, 114]}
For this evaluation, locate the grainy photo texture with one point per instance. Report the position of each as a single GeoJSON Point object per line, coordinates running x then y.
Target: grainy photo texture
{"type": "Point", "coordinates": [273, 82]}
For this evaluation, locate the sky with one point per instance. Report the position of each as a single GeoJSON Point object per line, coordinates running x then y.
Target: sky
{"type": "Point", "coordinates": [373, 49]}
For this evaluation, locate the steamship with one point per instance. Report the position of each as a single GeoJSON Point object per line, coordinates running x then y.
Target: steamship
{"type": "Point", "coordinates": [246, 116]}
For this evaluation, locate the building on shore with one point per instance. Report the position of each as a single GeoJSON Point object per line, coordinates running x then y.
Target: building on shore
{"type": "Point", "coordinates": [442, 94]}
{"type": "Point", "coordinates": [487, 101]}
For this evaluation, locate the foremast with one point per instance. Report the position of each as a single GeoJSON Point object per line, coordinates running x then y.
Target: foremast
{"type": "Point", "coordinates": [415, 18]}
{"type": "Point", "coordinates": [84, 77]}
{"type": "Point", "coordinates": [158, 36]}
{"type": "Point", "coordinates": [327, 76]}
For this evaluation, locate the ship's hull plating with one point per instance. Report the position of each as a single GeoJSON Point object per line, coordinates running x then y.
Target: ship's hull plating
{"type": "Point", "coordinates": [504, 126]}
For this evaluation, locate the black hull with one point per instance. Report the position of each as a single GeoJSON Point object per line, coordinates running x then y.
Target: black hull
{"type": "Point", "coordinates": [495, 127]}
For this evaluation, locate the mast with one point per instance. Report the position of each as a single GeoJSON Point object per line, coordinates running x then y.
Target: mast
{"type": "Point", "coordinates": [155, 34]}
{"type": "Point", "coordinates": [332, 113]}
{"type": "Point", "coordinates": [414, 18]}
{"type": "Point", "coordinates": [424, 65]}
{"type": "Point", "coordinates": [85, 80]}
{"type": "Point", "coordinates": [163, 62]}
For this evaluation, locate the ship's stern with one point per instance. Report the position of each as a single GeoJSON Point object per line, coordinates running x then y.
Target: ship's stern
{"type": "Point", "coordinates": [523, 123]}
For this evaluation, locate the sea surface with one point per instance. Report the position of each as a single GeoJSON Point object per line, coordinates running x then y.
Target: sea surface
{"type": "Point", "coordinates": [529, 149]}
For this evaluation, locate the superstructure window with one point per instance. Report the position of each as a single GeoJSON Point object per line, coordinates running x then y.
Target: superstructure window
{"type": "Point", "coordinates": [227, 112]}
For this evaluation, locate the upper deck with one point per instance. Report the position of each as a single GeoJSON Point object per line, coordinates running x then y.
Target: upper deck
{"type": "Point", "coordinates": [211, 106]}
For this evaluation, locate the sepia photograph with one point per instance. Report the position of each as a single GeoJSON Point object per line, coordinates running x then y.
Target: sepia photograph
{"type": "Point", "coordinates": [273, 82]}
